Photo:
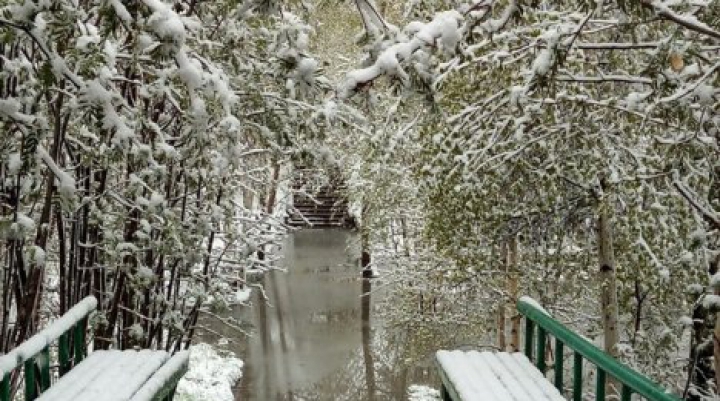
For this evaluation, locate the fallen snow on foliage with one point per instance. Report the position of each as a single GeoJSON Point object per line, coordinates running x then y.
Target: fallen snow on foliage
{"type": "Point", "coordinates": [417, 392]}
{"type": "Point", "coordinates": [211, 376]}
{"type": "Point", "coordinates": [243, 295]}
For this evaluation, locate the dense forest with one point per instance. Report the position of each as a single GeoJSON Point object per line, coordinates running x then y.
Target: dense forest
{"type": "Point", "coordinates": [569, 150]}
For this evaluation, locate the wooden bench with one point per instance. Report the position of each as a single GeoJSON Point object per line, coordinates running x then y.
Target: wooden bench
{"type": "Point", "coordinates": [104, 375]}
{"type": "Point", "coordinates": [487, 376]}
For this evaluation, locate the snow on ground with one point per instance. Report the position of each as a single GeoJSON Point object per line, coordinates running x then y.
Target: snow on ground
{"type": "Point", "coordinates": [211, 376]}
{"type": "Point", "coordinates": [422, 393]}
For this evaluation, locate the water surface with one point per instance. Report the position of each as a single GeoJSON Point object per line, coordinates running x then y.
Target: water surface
{"type": "Point", "coordinates": [317, 337]}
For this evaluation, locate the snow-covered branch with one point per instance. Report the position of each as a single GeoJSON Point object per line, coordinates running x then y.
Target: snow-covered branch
{"type": "Point", "coordinates": [690, 22]}
{"type": "Point", "coordinates": [694, 200]}
{"type": "Point", "coordinates": [442, 31]}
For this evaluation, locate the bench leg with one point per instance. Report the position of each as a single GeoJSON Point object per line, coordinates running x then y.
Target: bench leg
{"type": "Point", "coordinates": [444, 394]}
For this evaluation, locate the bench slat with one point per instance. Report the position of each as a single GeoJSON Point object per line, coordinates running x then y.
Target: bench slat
{"type": "Point", "coordinates": [531, 371]}
{"type": "Point", "coordinates": [488, 376]}
{"type": "Point", "coordinates": [519, 386]}
{"type": "Point", "coordinates": [482, 372]}
{"type": "Point", "coordinates": [128, 375]}
{"type": "Point", "coordinates": [163, 382]}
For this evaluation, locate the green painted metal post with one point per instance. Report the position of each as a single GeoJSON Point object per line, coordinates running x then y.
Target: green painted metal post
{"type": "Point", "coordinates": [600, 385]}
{"type": "Point", "coordinates": [577, 376]}
{"type": "Point", "coordinates": [79, 341]}
{"type": "Point", "coordinates": [5, 387]}
{"type": "Point", "coordinates": [529, 333]}
{"type": "Point", "coordinates": [541, 341]}
{"type": "Point", "coordinates": [444, 394]}
{"type": "Point", "coordinates": [64, 353]}
{"type": "Point", "coordinates": [559, 355]}
{"type": "Point", "coordinates": [30, 385]}
{"type": "Point", "coordinates": [44, 362]}
{"type": "Point", "coordinates": [626, 393]}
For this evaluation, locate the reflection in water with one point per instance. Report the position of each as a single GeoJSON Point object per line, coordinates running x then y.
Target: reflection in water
{"type": "Point", "coordinates": [316, 337]}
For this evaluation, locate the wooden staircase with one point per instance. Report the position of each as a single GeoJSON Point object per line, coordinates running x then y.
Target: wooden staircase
{"type": "Point", "coordinates": [323, 207]}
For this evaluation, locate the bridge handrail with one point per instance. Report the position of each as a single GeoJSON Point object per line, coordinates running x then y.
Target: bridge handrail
{"type": "Point", "coordinates": [632, 381]}
{"type": "Point", "coordinates": [69, 330]}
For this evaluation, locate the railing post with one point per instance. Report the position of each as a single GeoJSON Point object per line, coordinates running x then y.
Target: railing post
{"type": "Point", "coordinates": [64, 353]}
{"type": "Point", "coordinates": [577, 376]}
{"type": "Point", "coordinates": [626, 393]}
{"type": "Point", "coordinates": [30, 385]}
{"type": "Point", "coordinates": [529, 333]}
{"type": "Point", "coordinates": [5, 387]}
{"type": "Point", "coordinates": [559, 355]}
{"type": "Point", "coordinates": [44, 364]}
{"type": "Point", "coordinates": [608, 368]}
{"type": "Point", "coordinates": [34, 364]}
{"type": "Point", "coordinates": [600, 385]}
{"type": "Point", "coordinates": [541, 340]}
{"type": "Point", "coordinates": [79, 341]}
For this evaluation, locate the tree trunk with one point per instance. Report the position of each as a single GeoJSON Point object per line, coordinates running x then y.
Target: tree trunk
{"type": "Point", "coordinates": [715, 264]}
{"type": "Point", "coordinates": [501, 341]}
{"type": "Point", "coordinates": [714, 198]}
{"type": "Point", "coordinates": [608, 290]}
{"type": "Point", "coordinates": [513, 290]}
{"type": "Point", "coordinates": [365, 258]}
{"type": "Point", "coordinates": [608, 282]}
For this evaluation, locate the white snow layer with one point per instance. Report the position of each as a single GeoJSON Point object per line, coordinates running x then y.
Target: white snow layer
{"type": "Point", "coordinates": [535, 304]}
{"type": "Point", "coordinates": [501, 376]}
{"type": "Point", "coordinates": [422, 393]}
{"type": "Point", "coordinates": [66, 183]}
{"type": "Point", "coordinates": [243, 295]}
{"type": "Point", "coordinates": [211, 376]}
{"type": "Point", "coordinates": [443, 30]}
{"type": "Point", "coordinates": [162, 377]}
{"type": "Point", "coordinates": [107, 375]}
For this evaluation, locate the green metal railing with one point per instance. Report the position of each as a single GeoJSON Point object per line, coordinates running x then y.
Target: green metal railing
{"type": "Point", "coordinates": [33, 356]}
{"type": "Point", "coordinates": [631, 381]}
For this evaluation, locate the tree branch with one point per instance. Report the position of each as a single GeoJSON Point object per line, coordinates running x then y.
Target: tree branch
{"type": "Point", "coordinates": [690, 195]}
{"type": "Point", "coordinates": [692, 24]}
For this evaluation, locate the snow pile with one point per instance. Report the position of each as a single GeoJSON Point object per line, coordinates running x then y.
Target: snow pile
{"type": "Point", "coordinates": [211, 376]}
{"type": "Point", "coordinates": [243, 295]}
{"type": "Point", "coordinates": [418, 392]}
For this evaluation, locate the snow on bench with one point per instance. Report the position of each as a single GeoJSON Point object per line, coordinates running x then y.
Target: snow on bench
{"type": "Point", "coordinates": [164, 380]}
{"type": "Point", "coordinates": [493, 376]}
{"type": "Point", "coordinates": [107, 376]}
